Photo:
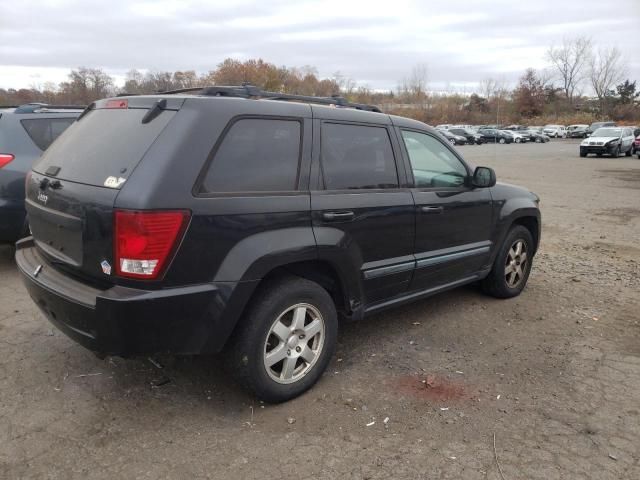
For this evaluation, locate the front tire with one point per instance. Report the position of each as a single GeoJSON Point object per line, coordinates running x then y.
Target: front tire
{"type": "Point", "coordinates": [512, 265]}
{"type": "Point", "coordinates": [285, 340]}
{"type": "Point", "coordinates": [616, 152]}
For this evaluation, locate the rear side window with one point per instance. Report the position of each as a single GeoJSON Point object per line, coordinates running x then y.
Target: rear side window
{"type": "Point", "coordinates": [356, 156]}
{"type": "Point", "coordinates": [43, 131]}
{"type": "Point", "coordinates": [256, 155]}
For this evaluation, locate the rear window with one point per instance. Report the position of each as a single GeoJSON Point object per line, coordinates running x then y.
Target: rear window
{"type": "Point", "coordinates": [103, 144]}
{"type": "Point", "coordinates": [256, 155]}
{"type": "Point", "coordinates": [43, 131]}
{"type": "Point", "coordinates": [355, 157]}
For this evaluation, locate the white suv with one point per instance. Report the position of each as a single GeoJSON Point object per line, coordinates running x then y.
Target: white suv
{"type": "Point", "coordinates": [555, 131]}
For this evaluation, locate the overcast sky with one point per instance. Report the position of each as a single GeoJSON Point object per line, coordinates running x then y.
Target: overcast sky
{"type": "Point", "coordinates": [375, 43]}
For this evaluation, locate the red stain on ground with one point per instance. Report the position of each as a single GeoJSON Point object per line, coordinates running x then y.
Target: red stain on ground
{"type": "Point", "coordinates": [430, 387]}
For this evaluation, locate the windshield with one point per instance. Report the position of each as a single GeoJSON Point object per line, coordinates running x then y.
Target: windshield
{"type": "Point", "coordinates": [607, 132]}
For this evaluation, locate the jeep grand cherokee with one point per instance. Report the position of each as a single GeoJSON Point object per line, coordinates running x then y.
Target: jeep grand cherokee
{"type": "Point", "coordinates": [230, 218]}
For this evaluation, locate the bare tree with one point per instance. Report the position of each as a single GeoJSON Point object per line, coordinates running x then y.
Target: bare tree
{"type": "Point", "coordinates": [570, 61]}
{"type": "Point", "coordinates": [606, 69]}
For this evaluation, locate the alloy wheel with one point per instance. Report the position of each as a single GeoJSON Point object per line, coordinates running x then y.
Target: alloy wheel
{"type": "Point", "coordinates": [516, 263]}
{"type": "Point", "coordinates": [294, 343]}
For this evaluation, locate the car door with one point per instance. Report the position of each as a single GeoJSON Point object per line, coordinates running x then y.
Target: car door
{"type": "Point", "coordinates": [453, 219]}
{"type": "Point", "coordinates": [362, 210]}
{"type": "Point", "coordinates": [489, 135]}
{"type": "Point", "coordinates": [627, 139]}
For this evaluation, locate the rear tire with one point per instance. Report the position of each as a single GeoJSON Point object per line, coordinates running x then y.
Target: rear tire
{"type": "Point", "coordinates": [502, 140]}
{"type": "Point", "coordinates": [512, 265]}
{"type": "Point", "coordinates": [285, 340]}
{"type": "Point", "coordinates": [627, 153]}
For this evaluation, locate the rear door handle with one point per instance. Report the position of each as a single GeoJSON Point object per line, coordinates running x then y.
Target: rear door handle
{"type": "Point", "coordinates": [337, 216]}
{"type": "Point", "coordinates": [430, 209]}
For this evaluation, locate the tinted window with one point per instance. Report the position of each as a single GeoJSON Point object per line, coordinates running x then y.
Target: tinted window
{"type": "Point", "coordinates": [256, 155]}
{"type": "Point", "coordinates": [355, 156]}
{"type": "Point", "coordinates": [43, 131]}
{"type": "Point", "coordinates": [103, 144]}
{"type": "Point", "coordinates": [432, 162]}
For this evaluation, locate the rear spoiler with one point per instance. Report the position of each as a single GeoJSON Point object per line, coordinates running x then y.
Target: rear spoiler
{"type": "Point", "coordinates": [156, 103]}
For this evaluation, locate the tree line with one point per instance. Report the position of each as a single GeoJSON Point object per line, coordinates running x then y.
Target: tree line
{"type": "Point", "coordinates": [556, 94]}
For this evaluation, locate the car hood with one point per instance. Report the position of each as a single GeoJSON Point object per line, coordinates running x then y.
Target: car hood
{"type": "Point", "coordinates": [599, 139]}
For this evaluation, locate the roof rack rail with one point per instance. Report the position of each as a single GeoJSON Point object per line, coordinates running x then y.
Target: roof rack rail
{"type": "Point", "coordinates": [44, 107]}
{"type": "Point", "coordinates": [251, 91]}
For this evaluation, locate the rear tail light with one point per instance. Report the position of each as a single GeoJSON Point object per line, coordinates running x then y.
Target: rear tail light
{"type": "Point", "coordinates": [5, 159]}
{"type": "Point", "coordinates": [145, 241]}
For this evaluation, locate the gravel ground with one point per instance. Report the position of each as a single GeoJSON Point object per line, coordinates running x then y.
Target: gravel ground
{"type": "Point", "coordinates": [458, 386]}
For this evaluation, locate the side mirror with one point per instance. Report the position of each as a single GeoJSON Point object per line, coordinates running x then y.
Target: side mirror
{"type": "Point", "coordinates": [484, 177]}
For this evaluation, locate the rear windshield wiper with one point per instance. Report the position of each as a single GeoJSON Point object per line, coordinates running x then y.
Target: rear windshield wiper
{"type": "Point", "coordinates": [154, 111]}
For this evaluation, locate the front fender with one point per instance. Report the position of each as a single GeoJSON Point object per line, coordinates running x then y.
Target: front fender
{"type": "Point", "coordinates": [508, 212]}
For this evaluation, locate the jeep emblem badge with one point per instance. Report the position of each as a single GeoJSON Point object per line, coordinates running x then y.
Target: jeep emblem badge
{"type": "Point", "coordinates": [106, 268]}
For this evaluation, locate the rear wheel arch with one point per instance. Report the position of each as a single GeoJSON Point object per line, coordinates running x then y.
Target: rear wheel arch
{"type": "Point", "coordinates": [318, 271]}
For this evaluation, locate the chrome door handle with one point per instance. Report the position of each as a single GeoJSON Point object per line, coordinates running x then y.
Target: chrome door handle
{"type": "Point", "coordinates": [336, 216]}
{"type": "Point", "coordinates": [430, 209]}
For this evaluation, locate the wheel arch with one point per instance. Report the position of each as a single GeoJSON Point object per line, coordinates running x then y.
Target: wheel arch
{"type": "Point", "coordinates": [532, 224]}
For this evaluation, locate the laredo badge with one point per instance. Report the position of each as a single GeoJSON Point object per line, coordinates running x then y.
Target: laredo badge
{"type": "Point", "coordinates": [113, 182]}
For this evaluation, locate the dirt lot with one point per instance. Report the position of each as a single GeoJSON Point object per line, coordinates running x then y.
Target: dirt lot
{"type": "Point", "coordinates": [553, 377]}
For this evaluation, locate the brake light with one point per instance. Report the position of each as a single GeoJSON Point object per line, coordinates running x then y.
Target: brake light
{"type": "Point", "coordinates": [145, 240]}
{"type": "Point", "coordinates": [5, 159]}
{"type": "Point", "coordinates": [117, 104]}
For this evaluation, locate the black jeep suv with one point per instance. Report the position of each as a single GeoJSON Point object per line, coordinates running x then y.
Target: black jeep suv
{"type": "Point", "coordinates": [228, 217]}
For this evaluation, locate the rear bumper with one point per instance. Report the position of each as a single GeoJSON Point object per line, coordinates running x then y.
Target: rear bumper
{"type": "Point", "coordinates": [125, 321]}
{"type": "Point", "coordinates": [12, 217]}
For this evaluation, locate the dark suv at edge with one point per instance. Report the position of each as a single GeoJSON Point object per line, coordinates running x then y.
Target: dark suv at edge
{"type": "Point", "coordinates": [189, 223]}
{"type": "Point", "coordinates": [25, 132]}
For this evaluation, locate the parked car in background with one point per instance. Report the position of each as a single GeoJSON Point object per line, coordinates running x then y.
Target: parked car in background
{"type": "Point", "coordinates": [452, 138]}
{"type": "Point", "coordinates": [536, 128]}
{"type": "Point", "coordinates": [493, 135]}
{"type": "Point", "coordinates": [518, 135]}
{"type": "Point", "coordinates": [472, 136]}
{"type": "Point", "coordinates": [25, 132]}
{"type": "Point", "coordinates": [444, 126]}
{"type": "Point", "coordinates": [555, 131]}
{"type": "Point", "coordinates": [596, 125]}
{"type": "Point", "coordinates": [608, 141]}
{"type": "Point", "coordinates": [577, 131]}
{"type": "Point", "coordinates": [536, 136]}
{"type": "Point", "coordinates": [636, 145]}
